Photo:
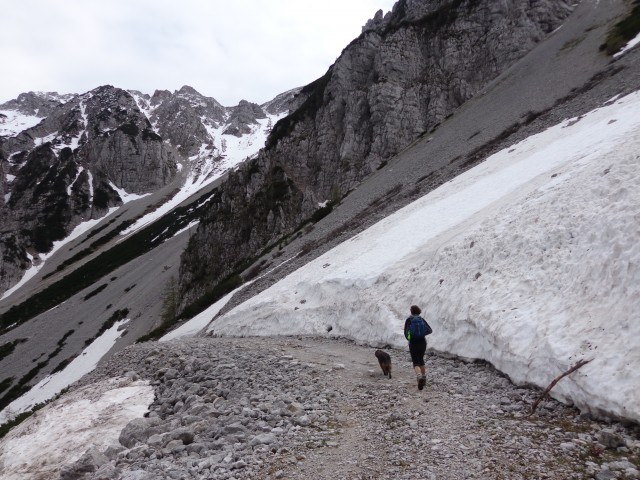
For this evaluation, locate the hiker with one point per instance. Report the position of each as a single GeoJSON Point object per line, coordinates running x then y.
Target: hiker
{"type": "Point", "coordinates": [415, 330]}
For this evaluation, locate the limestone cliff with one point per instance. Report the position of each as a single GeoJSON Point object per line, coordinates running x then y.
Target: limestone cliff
{"type": "Point", "coordinates": [403, 75]}
{"type": "Point", "coordinates": [66, 158]}
{"type": "Point", "coordinates": [68, 167]}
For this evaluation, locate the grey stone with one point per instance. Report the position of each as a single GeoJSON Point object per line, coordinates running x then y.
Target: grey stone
{"type": "Point", "coordinates": [610, 438]}
{"type": "Point", "coordinates": [89, 462]}
{"type": "Point", "coordinates": [137, 430]}
{"type": "Point", "coordinates": [606, 475]}
{"type": "Point", "coordinates": [295, 409]}
{"type": "Point", "coordinates": [262, 439]}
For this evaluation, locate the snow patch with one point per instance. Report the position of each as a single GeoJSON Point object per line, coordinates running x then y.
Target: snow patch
{"type": "Point", "coordinates": [207, 166]}
{"type": "Point", "coordinates": [198, 323]}
{"type": "Point", "coordinates": [90, 186]}
{"type": "Point", "coordinates": [42, 140]}
{"type": "Point", "coordinates": [529, 261]}
{"type": "Point", "coordinates": [632, 43]}
{"type": "Point", "coordinates": [51, 385]}
{"type": "Point", "coordinates": [16, 122]}
{"type": "Point", "coordinates": [36, 265]}
{"type": "Point", "coordinates": [191, 225]}
{"type": "Point", "coordinates": [124, 196]}
{"type": "Point", "coordinates": [58, 435]}
{"type": "Point", "coordinates": [80, 170]}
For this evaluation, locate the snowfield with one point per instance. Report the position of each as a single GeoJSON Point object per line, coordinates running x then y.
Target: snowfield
{"type": "Point", "coordinates": [13, 122]}
{"type": "Point", "coordinates": [531, 261]}
{"type": "Point", "coordinates": [60, 433]}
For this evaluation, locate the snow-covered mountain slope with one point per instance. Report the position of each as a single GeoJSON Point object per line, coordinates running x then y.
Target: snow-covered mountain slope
{"type": "Point", "coordinates": [528, 261]}
{"type": "Point", "coordinates": [13, 122]}
{"type": "Point", "coordinates": [94, 152]}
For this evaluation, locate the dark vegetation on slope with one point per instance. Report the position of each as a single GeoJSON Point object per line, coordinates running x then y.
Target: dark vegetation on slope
{"type": "Point", "coordinates": [623, 31]}
{"type": "Point", "coordinates": [276, 192]}
{"type": "Point", "coordinates": [108, 323]}
{"type": "Point", "coordinates": [6, 427]}
{"type": "Point", "coordinates": [86, 275]}
{"type": "Point", "coordinates": [22, 386]}
{"type": "Point", "coordinates": [8, 348]}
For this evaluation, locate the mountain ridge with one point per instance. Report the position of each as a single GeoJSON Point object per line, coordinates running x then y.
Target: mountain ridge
{"type": "Point", "coordinates": [95, 146]}
{"type": "Point", "coordinates": [386, 89]}
{"type": "Point", "coordinates": [458, 143]}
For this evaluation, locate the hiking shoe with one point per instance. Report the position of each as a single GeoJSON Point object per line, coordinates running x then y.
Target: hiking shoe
{"type": "Point", "coordinates": [421, 382]}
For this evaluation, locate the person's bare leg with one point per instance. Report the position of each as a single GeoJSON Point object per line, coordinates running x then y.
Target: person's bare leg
{"type": "Point", "coordinates": [420, 376]}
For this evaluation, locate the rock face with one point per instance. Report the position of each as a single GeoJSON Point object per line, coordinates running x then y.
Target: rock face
{"type": "Point", "coordinates": [37, 103]}
{"type": "Point", "coordinates": [405, 73]}
{"type": "Point", "coordinates": [66, 169]}
{"type": "Point", "coordinates": [64, 158]}
{"type": "Point", "coordinates": [185, 117]}
{"type": "Point", "coordinates": [243, 115]}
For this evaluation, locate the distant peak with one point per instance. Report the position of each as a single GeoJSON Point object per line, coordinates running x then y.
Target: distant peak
{"type": "Point", "coordinates": [186, 89]}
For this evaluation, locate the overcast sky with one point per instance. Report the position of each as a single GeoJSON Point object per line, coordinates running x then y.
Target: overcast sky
{"type": "Point", "coordinates": [226, 49]}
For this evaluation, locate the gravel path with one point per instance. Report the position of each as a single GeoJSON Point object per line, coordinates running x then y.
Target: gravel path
{"type": "Point", "coordinates": [309, 408]}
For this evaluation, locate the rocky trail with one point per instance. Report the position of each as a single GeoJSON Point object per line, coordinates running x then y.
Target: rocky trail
{"type": "Point", "coordinates": [300, 407]}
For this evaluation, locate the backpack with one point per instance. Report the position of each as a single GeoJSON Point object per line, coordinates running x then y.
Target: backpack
{"type": "Point", "coordinates": [418, 328]}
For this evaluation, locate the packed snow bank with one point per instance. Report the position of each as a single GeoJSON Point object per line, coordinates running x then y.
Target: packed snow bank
{"type": "Point", "coordinates": [57, 435]}
{"type": "Point", "coordinates": [530, 261]}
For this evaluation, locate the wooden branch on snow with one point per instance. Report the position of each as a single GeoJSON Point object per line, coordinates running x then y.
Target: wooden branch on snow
{"type": "Point", "coordinates": [581, 363]}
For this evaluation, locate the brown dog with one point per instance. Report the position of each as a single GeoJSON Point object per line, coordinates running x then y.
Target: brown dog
{"type": "Point", "coordinates": [385, 362]}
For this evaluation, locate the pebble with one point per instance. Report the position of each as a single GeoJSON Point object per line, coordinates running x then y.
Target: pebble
{"type": "Point", "coordinates": [281, 407]}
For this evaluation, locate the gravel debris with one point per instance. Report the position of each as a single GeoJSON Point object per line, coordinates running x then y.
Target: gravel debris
{"type": "Point", "coordinates": [304, 407]}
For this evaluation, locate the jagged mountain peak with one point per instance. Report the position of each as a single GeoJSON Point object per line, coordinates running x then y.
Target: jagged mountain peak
{"type": "Point", "coordinates": [282, 102]}
{"type": "Point", "coordinates": [38, 104]}
{"type": "Point", "coordinates": [188, 90]}
{"type": "Point", "coordinates": [159, 96]}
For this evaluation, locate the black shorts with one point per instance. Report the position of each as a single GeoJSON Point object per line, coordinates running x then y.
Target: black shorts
{"type": "Point", "coordinates": [417, 349]}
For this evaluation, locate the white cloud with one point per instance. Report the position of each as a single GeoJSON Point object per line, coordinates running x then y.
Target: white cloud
{"type": "Point", "coordinates": [229, 50]}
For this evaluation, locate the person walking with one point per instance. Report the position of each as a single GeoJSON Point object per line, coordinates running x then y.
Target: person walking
{"type": "Point", "coordinates": [416, 329]}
